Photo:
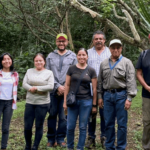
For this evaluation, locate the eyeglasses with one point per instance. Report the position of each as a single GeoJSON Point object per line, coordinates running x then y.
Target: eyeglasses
{"type": "Point", "coordinates": [61, 41]}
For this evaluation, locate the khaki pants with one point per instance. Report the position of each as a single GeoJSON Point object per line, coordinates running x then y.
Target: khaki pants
{"type": "Point", "coordinates": [146, 123]}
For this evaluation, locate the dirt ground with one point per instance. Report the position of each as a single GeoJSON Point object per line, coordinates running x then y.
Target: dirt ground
{"type": "Point", "coordinates": [134, 132]}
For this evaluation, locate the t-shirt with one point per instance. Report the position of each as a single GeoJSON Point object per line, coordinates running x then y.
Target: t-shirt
{"type": "Point", "coordinates": [6, 88]}
{"type": "Point", "coordinates": [144, 64]}
{"type": "Point", "coordinates": [84, 88]}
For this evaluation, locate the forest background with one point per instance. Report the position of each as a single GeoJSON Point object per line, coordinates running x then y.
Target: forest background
{"type": "Point", "coordinates": [31, 26]}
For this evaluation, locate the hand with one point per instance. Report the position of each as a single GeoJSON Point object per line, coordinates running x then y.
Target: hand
{"type": "Point", "coordinates": [65, 106]}
{"type": "Point", "coordinates": [59, 94]}
{"type": "Point", "coordinates": [61, 90]}
{"type": "Point", "coordinates": [94, 110]}
{"type": "Point", "coordinates": [33, 89]}
{"type": "Point", "coordinates": [148, 88]}
{"type": "Point", "coordinates": [127, 105]}
{"type": "Point", "coordinates": [100, 103]}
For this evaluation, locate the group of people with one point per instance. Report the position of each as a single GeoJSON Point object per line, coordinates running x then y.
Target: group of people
{"type": "Point", "coordinates": [100, 76]}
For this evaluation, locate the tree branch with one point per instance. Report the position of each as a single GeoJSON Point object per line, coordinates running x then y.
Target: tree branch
{"type": "Point", "coordinates": [132, 27]}
{"type": "Point", "coordinates": [119, 17]}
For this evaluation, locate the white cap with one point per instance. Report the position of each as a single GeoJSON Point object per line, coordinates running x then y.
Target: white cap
{"type": "Point", "coordinates": [115, 41]}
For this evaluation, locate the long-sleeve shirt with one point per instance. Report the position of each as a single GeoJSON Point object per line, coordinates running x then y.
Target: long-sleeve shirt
{"type": "Point", "coordinates": [121, 76]}
{"type": "Point", "coordinates": [43, 81]}
{"type": "Point", "coordinates": [58, 68]}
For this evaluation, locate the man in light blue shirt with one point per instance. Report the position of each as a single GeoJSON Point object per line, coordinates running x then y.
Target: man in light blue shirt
{"type": "Point", "coordinates": [97, 54]}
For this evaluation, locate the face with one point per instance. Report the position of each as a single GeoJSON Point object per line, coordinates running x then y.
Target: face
{"type": "Point", "coordinates": [115, 50]}
{"type": "Point", "coordinates": [82, 57]}
{"type": "Point", "coordinates": [39, 62]}
{"type": "Point", "coordinates": [98, 41]}
{"type": "Point", "coordinates": [6, 62]}
{"type": "Point", "coordinates": [61, 44]}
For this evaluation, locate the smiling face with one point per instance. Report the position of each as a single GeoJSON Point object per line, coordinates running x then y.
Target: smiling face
{"type": "Point", "coordinates": [98, 41]}
{"type": "Point", "coordinates": [39, 62]}
{"type": "Point", "coordinates": [61, 44]}
{"type": "Point", "coordinates": [82, 57]}
{"type": "Point", "coordinates": [115, 50]}
{"type": "Point", "coordinates": [6, 62]}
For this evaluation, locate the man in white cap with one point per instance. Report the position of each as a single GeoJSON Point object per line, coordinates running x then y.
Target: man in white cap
{"type": "Point", "coordinates": [116, 88]}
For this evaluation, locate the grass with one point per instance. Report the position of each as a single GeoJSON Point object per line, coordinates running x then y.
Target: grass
{"type": "Point", "coordinates": [16, 136]}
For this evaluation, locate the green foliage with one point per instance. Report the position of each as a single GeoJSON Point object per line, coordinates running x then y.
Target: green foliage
{"type": "Point", "coordinates": [19, 112]}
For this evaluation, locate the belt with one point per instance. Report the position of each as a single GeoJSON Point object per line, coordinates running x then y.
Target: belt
{"type": "Point", "coordinates": [114, 90]}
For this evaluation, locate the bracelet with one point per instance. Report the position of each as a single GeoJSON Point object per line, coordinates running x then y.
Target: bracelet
{"type": "Point", "coordinates": [94, 105]}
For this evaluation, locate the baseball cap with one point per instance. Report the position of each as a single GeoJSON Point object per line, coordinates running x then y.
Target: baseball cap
{"type": "Point", "coordinates": [115, 41]}
{"type": "Point", "coordinates": [61, 36]}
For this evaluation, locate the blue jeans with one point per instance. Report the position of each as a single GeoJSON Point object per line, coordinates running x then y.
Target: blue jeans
{"type": "Point", "coordinates": [56, 108]}
{"type": "Point", "coordinates": [114, 108]}
{"type": "Point", "coordinates": [83, 109]}
{"type": "Point", "coordinates": [92, 125]}
{"type": "Point", "coordinates": [6, 109]}
{"type": "Point", "coordinates": [37, 113]}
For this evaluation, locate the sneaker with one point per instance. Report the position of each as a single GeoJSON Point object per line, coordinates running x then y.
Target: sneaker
{"type": "Point", "coordinates": [90, 143]}
{"type": "Point", "coordinates": [49, 144]}
{"type": "Point", "coordinates": [63, 144]}
{"type": "Point", "coordinates": [103, 139]}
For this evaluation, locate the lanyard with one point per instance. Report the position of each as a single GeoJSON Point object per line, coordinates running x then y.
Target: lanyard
{"type": "Point", "coordinates": [112, 67]}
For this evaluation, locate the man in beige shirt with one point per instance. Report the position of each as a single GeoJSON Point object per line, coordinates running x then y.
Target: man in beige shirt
{"type": "Point", "coordinates": [116, 88]}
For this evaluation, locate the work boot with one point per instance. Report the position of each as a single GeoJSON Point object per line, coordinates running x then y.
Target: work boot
{"type": "Point", "coordinates": [103, 139]}
{"type": "Point", "coordinates": [90, 143]}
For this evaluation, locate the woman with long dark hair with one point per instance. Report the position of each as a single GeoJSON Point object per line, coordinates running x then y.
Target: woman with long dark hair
{"type": "Point", "coordinates": [8, 94]}
{"type": "Point", "coordinates": [85, 100]}
{"type": "Point", "coordinates": [38, 82]}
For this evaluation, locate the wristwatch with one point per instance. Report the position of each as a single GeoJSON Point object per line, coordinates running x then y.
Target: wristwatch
{"type": "Point", "coordinates": [129, 99]}
{"type": "Point", "coordinates": [94, 105]}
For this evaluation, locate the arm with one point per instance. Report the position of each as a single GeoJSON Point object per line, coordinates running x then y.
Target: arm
{"type": "Point", "coordinates": [99, 88]}
{"type": "Point", "coordinates": [130, 84]}
{"type": "Point", "coordinates": [139, 75]}
{"type": "Point", "coordinates": [25, 82]}
{"type": "Point", "coordinates": [94, 85]}
{"type": "Point", "coordinates": [67, 87]}
{"type": "Point", "coordinates": [48, 63]}
{"type": "Point", "coordinates": [56, 84]}
{"type": "Point", "coordinates": [49, 86]}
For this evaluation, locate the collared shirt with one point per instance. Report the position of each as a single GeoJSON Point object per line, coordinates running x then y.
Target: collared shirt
{"type": "Point", "coordinates": [53, 64]}
{"type": "Point", "coordinates": [95, 60]}
{"type": "Point", "coordinates": [121, 76]}
{"type": "Point", "coordinates": [15, 79]}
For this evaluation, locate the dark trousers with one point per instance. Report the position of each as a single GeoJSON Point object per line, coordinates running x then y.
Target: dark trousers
{"type": "Point", "coordinates": [114, 108]}
{"type": "Point", "coordinates": [56, 108]}
{"type": "Point", "coordinates": [37, 113]}
{"type": "Point", "coordinates": [92, 125]}
{"type": "Point", "coordinates": [146, 123]}
{"type": "Point", "coordinates": [6, 109]}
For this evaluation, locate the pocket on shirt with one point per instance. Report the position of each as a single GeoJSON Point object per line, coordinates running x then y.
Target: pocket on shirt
{"type": "Point", "coordinates": [106, 73]}
{"type": "Point", "coordinates": [119, 73]}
